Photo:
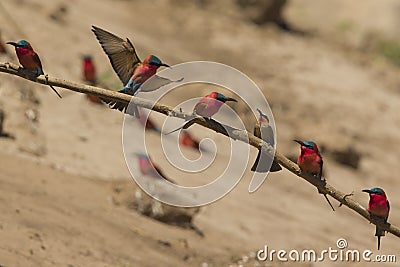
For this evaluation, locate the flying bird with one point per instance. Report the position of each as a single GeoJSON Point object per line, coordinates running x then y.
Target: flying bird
{"type": "Point", "coordinates": [263, 130]}
{"type": "Point", "coordinates": [310, 161]}
{"type": "Point", "coordinates": [126, 63]}
{"type": "Point", "coordinates": [29, 59]}
{"type": "Point", "coordinates": [378, 206]}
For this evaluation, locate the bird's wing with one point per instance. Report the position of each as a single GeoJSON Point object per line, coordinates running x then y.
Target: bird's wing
{"type": "Point", "coordinates": [122, 54]}
{"type": "Point", "coordinates": [36, 59]}
{"type": "Point", "coordinates": [200, 107]}
{"type": "Point", "coordinates": [321, 163]}
{"type": "Point", "coordinates": [388, 205]}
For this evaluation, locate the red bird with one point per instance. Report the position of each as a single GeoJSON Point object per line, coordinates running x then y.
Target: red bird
{"type": "Point", "coordinates": [149, 168]}
{"type": "Point", "coordinates": [210, 104]}
{"type": "Point", "coordinates": [148, 123]}
{"type": "Point", "coordinates": [378, 206]}
{"type": "Point", "coordinates": [89, 70]}
{"type": "Point", "coordinates": [310, 161]}
{"type": "Point", "coordinates": [89, 75]}
{"type": "Point", "coordinates": [2, 47]}
{"type": "Point", "coordinates": [187, 140]}
{"type": "Point", "coordinates": [29, 59]}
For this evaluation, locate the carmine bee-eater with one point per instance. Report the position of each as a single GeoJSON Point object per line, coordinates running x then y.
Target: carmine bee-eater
{"type": "Point", "coordinates": [148, 123]}
{"type": "Point", "coordinates": [89, 76]}
{"type": "Point", "coordinates": [378, 206]}
{"type": "Point", "coordinates": [207, 106]}
{"type": "Point", "coordinates": [310, 161]}
{"type": "Point", "coordinates": [210, 104]}
{"type": "Point", "coordinates": [187, 140]}
{"type": "Point", "coordinates": [28, 58]}
{"type": "Point", "coordinates": [149, 168]}
{"type": "Point", "coordinates": [2, 47]}
{"type": "Point", "coordinates": [263, 130]}
{"type": "Point", "coordinates": [89, 70]}
{"type": "Point", "coordinates": [126, 63]}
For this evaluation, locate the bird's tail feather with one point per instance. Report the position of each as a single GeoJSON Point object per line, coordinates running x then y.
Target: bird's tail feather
{"type": "Point", "coordinates": [330, 204]}
{"type": "Point", "coordinates": [55, 91]}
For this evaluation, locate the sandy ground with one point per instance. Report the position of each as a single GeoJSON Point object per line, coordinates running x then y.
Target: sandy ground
{"type": "Point", "coordinates": [64, 174]}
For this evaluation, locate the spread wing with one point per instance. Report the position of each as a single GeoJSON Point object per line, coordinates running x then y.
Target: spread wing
{"type": "Point", "coordinates": [121, 53]}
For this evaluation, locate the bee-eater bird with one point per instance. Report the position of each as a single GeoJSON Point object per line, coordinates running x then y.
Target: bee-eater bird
{"type": "Point", "coordinates": [210, 104]}
{"type": "Point", "coordinates": [263, 130]}
{"type": "Point", "coordinates": [28, 58]}
{"type": "Point", "coordinates": [310, 161]}
{"type": "Point", "coordinates": [148, 123]}
{"type": "Point", "coordinates": [187, 140]}
{"type": "Point", "coordinates": [89, 70]}
{"type": "Point", "coordinates": [149, 168]}
{"type": "Point", "coordinates": [207, 106]}
{"type": "Point", "coordinates": [126, 63]}
{"type": "Point", "coordinates": [378, 206]}
{"type": "Point", "coordinates": [2, 46]}
{"type": "Point", "coordinates": [89, 76]}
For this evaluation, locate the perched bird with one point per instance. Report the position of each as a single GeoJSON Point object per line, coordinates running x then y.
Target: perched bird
{"type": "Point", "coordinates": [148, 123]}
{"type": "Point", "coordinates": [210, 104]}
{"type": "Point", "coordinates": [149, 168]}
{"type": "Point", "coordinates": [89, 76]}
{"type": "Point", "coordinates": [89, 70]}
{"type": "Point", "coordinates": [2, 47]}
{"type": "Point", "coordinates": [378, 206]}
{"type": "Point", "coordinates": [126, 63]}
{"type": "Point", "coordinates": [28, 58]}
{"type": "Point", "coordinates": [207, 106]}
{"type": "Point", "coordinates": [310, 161]}
{"type": "Point", "coordinates": [263, 130]}
{"type": "Point", "coordinates": [187, 140]}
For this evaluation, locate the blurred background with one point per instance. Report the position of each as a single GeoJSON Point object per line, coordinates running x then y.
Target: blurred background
{"type": "Point", "coordinates": [329, 70]}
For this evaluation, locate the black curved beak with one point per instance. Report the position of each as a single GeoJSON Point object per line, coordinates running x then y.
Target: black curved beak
{"type": "Point", "coordinates": [230, 99]}
{"type": "Point", "coordinates": [367, 191]}
{"type": "Point", "coordinates": [299, 142]}
{"type": "Point", "coordinates": [165, 65]}
{"type": "Point", "coordinates": [13, 44]}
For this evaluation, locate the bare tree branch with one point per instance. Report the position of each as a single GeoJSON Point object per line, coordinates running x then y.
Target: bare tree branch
{"type": "Point", "coordinates": [233, 133]}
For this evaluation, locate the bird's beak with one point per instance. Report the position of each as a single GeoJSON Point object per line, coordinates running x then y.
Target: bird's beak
{"type": "Point", "coordinates": [13, 44]}
{"type": "Point", "coordinates": [230, 99]}
{"type": "Point", "coordinates": [165, 65]}
{"type": "Point", "coordinates": [299, 142]}
{"type": "Point", "coordinates": [367, 191]}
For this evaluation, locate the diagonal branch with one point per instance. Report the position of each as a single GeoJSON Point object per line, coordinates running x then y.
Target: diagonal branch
{"type": "Point", "coordinates": [233, 133]}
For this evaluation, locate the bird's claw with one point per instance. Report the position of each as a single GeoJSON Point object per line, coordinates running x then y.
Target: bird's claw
{"type": "Point", "coordinates": [345, 196]}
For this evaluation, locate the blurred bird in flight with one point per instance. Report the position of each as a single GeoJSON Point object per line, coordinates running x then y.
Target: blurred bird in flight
{"type": "Point", "coordinates": [378, 206]}
{"type": "Point", "coordinates": [28, 58]}
{"type": "Point", "coordinates": [310, 161]}
{"type": "Point", "coordinates": [263, 130]}
{"type": "Point", "coordinates": [126, 63]}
